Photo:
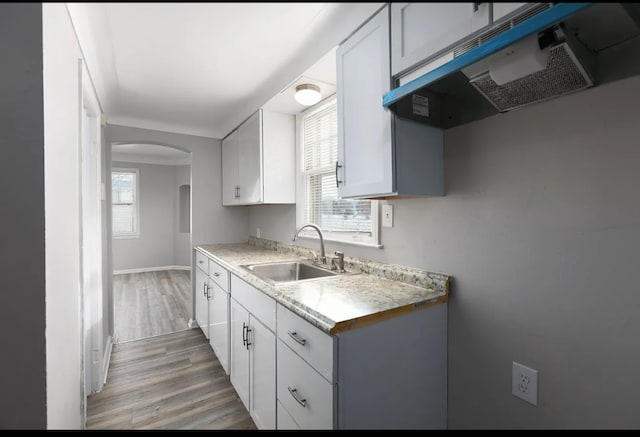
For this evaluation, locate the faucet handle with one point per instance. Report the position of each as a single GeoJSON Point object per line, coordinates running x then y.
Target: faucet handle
{"type": "Point", "coordinates": [339, 254]}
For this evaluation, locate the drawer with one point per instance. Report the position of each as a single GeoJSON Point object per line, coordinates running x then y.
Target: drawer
{"type": "Point", "coordinates": [255, 301]}
{"type": "Point", "coordinates": [219, 274]}
{"type": "Point", "coordinates": [202, 261]}
{"type": "Point", "coordinates": [313, 345]}
{"type": "Point", "coordinates": [313, 408]}
{"type": "Point", "coordinates": [285, 421]}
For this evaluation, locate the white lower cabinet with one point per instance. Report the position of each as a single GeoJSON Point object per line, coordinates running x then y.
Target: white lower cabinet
{"type": "Point", "coordinates": [201, 290]}
{"type": "Point", "coordinates": [253, 358]}
{"type": "Point", "coordinates": [306, 395]}
{"type": "Point", "coordinates": [285, 421]}
{"type": "Point", "coordinates": [219, 323]}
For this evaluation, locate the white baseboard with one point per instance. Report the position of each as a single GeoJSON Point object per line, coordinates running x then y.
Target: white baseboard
{"type": "Point", "coordinates": [150, 269]}
{"type": "Point", "coordinates": [107, 358]}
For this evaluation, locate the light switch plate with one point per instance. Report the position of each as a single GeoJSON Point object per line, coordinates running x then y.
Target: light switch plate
{"type": "Point", "coordinates": [387, 216]}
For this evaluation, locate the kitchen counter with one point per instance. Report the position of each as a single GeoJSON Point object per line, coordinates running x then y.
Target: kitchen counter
{"type": "Point", "coordinates": [341, 302]}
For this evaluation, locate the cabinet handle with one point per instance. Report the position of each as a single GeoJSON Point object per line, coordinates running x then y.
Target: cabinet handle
{"type": "Point", "coordinates": [204, 289]}
{"type": "Point", "coordinates": [208, 295]}
{"type": "Point", "coordinates": [248, 342]}
{"type": "Point", "coordinates": [338, 181]}
{"type": "Point", "coordinates": [244, 338]}
{"type": "Point", "coordinates": [476, 6]}
{"type": "Point", "coordinates": [216, 274]}
{"type": "Point", "coordinates": [200, 262]}
{"type": "Point", "coordinates": [297, 397]}
{"type": "Point", "coordinates": [299, 340]}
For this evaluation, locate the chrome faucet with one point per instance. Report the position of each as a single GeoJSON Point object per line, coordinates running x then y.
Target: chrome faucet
{"type": "Point", "coordinates": [323, 258]}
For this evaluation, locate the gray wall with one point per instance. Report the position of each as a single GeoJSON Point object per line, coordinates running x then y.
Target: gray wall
{"type": "Point", "coordinates": [182, 240]}
{"type": "Point", "coordinates": [158, 244]}
{"type": "Point", "coordinates": [540, 228]}
{"type": "Point", "coordinates": [22, 250]}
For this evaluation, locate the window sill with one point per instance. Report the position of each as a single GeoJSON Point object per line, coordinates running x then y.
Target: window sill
{"type": "Point", "coordinates": [351, 243]}
{"type": "Point", "coordinates": [125, 236]}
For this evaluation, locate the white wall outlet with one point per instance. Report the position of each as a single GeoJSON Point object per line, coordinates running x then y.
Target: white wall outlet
{"type": "Point", "coordinates": [524, 383]}
{"type": "Point", "coordinates": [257, 232]}
{"type": "Point", "coordinates": [387, 216]}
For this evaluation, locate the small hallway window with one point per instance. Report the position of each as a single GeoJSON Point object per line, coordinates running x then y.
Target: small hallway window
{"type": "Point", "coordinates": [124, 198]}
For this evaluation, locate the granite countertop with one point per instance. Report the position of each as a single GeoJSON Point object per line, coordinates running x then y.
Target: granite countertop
{"type": "Point", "coordinates": [341, 302]}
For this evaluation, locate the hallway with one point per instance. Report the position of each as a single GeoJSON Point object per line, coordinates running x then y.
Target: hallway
{"type": "Point", "coordinates": [171, 381]}
{"type": "Point", "coordinates": [151, 303]}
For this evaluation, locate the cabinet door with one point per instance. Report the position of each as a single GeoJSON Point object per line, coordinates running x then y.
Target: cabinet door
{"type": "Point", "coordinates": [262, 371]}
{"type": "Point", "coordinates": [202, 305]}
{"type": "Point", "coordinates": [230, 155]}
{"type": "Point", "coordinates": [219, 324]}
{"type": "Point", "coordinates": [250, 159]}
{"type": "Point", "coordinates": [239, 352]}
{"type": "Point", "coordinates": [420, 30]}
{"type": "Point", "coordinates": [364, 127]}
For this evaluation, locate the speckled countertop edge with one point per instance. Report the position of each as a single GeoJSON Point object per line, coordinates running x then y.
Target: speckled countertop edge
{"type": "Point", "coordinates": [261, 250]}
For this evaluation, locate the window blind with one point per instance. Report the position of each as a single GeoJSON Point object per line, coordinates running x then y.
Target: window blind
{"type": "Point", "coordinates": [323, 207]}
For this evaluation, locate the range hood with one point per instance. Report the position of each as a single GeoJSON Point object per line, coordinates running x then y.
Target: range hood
{"type": "Point", "coordinates": [551, 51]}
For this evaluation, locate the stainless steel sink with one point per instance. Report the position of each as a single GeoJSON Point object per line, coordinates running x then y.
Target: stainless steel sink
{"type": "Point", "coordinates": [289, 271]}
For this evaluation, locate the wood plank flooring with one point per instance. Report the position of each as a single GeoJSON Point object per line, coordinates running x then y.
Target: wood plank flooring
{"type": "Point", "coordinates": [151, 303]}
{"type": "Point", "coordinates": [172, 381]}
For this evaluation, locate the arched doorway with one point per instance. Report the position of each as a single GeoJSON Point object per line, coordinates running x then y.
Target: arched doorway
{"type": "Point", "coordinates": [151, 239]}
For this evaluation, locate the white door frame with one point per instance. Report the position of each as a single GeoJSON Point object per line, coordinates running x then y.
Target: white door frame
{"type": "Point", "coordinates": [91, 239]}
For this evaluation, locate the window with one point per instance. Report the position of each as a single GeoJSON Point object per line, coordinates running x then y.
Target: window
{"type": "Point", "coordinates": [124, 199]}
{"type": "Point", "coordinates": [345, 220]}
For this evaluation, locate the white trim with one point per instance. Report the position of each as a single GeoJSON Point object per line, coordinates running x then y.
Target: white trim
{"type": "Point", "coordinates": [119, 120]}
{"type": "Point", "coordinates": [149, 159]}
{"type": "Point", "coordinates": [350, 242]}
{"type": "Point", "coordinates": [107, 359]}
{"type": "Point", "coordinates": [126, 236]}
{"type": "Point", "coordinates": [150, 269]}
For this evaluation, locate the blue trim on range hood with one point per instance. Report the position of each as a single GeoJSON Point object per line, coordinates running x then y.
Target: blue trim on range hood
{"type": "Point", "coordinates": [540, 21]}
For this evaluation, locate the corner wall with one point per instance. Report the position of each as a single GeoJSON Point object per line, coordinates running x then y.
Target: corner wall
{"type": "Point", "coordinates": [23, 388]}
{"type": "Point", "coordinates": [540, 228]}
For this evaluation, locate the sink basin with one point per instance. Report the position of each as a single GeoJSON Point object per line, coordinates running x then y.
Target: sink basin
{"type": "Point", "coordinates": [288, 271]}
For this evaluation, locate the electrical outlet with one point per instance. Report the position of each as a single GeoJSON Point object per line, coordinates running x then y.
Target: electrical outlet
{"type": "Point", "coordinates": [257, 232]}
{"type": "Point", "coordinates": [524, 383]}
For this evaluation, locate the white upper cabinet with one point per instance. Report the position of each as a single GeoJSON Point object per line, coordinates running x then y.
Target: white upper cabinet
{"type": "Point", "coordinates": [365, 154]}
{"type": "Point", "coordinates": [258, 160]}
{"type": "Point", "coordinates": [379, 154]}
{"type": "Point", "coordinates": [230, 167]}
{"type": "Point", "coordinates": [420, 30]}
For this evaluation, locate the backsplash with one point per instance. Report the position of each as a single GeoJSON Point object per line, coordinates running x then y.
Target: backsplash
{"type": "Point", "coordinates": [407, 275]}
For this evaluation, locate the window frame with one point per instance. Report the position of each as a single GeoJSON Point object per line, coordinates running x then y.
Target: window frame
{"type": "Point", "coordinates": [136, 203]}
{"type": "Point", "coordinates": [302, 188]}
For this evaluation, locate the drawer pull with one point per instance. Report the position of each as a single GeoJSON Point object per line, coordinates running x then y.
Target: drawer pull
{"type": "Point", "coordinates": [299, 340]}
{"type": "Point", "coordinates": [200, 262]}
{"type": "Point", "coordinates": [216, 274]}
{"type": "Point", "coordinates": [297, 397]}
{"type": "Point", "coordinates": [244, 335]}
{"type": "Point", "coordinates": [204, 289]}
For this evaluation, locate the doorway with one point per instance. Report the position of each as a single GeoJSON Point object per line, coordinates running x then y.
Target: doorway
{"type": "Point", "coordinates": [151, 240]}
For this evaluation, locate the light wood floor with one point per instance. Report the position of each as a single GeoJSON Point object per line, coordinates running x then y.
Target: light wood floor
{"type": "Point", "coordinates": [173, 381]}
{"type": "Point", "coordinates": [151, 303]}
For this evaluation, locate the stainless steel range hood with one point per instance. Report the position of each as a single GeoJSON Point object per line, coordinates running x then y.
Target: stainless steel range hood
{"type": "Point", "coordinates": [565, 48]}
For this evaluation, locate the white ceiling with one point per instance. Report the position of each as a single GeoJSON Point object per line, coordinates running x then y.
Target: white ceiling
{"type": "Point", "coordinates": [202, 68]}
{"type": "Point", "coordinates": [149, 154]}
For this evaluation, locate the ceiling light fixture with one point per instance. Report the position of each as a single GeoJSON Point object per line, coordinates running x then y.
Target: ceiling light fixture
{"type": "Point", "coordinates": [307, 94]}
